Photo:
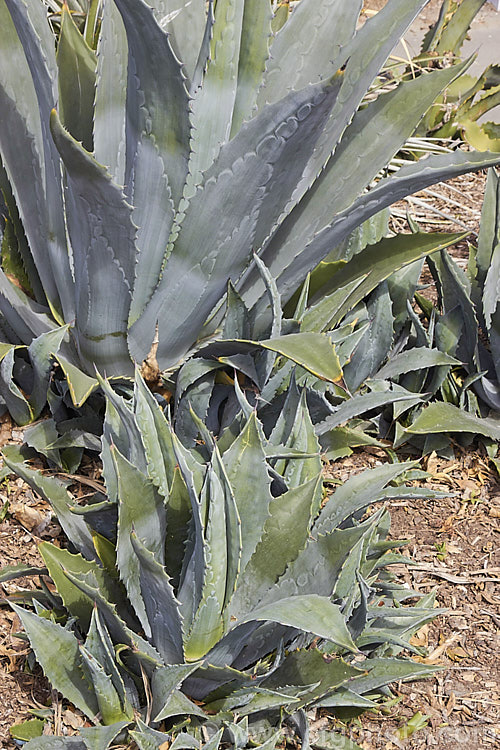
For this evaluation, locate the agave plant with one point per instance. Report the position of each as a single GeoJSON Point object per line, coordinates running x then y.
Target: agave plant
{"type": "Point", "coordinates": [469, 98]}
{"type": "Point", "coordinates": [466, 324]}
{"type": "Point", "coordinates": [194, 142]}
{"type": "Point", "coordinates": [215, 589]}
{"type": "Point", "coordinates": [448, 354]}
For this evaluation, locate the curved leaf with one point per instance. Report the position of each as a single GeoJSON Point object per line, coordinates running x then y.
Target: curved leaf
{"type": "Point", "coordinates": [307, 612]}
{"type": "Point", "coordinates": [415, 359]}
{"type": "Point", "coordinates": [104, 253]}
{"type": "Point", "coordinates": [441, 417]}
{"type": "Point", "coordinates": [111, 93]}
{"type": "Point", "coordinates": [77, 73]}
{"type": "Point", "coordinates": [208, 253]}
{"type": "Point", "coordinates": [157, 99]}
{"type": "Point", "coordinates": [62, 664]}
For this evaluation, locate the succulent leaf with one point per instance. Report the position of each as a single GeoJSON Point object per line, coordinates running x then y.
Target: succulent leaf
{"type": "Point", "coordinates": [162, 608]}
{"type": "Point", "coordinates": [140, 511]}
{"type": "Point", "coordinates": [77, 73]}
{"type": "Point", "coordinates": [62, 664]}
{"type": "Point", "coordinates": [111, 93]}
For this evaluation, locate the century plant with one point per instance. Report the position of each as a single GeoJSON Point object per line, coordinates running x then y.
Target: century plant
{"type": "Point", "coordinates": [419, 351]}
{"type": "Point", "coordinates": [198, 147]}
{"type": "Point", "coordinates": [465, 323]}
{"type": "Point", "coordinates": [217, 589]}
{"type": "Point", "coordinates": [460, 112]}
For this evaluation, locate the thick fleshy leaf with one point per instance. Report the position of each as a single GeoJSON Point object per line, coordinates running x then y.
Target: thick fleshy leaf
{"type": "Point", "coordinates": [185, 21]}
{"type": "Point", "coordinates": [111, 93]}
{"type": "Point", "coordinates": [140, 510]}
{"type": "Point", "coordinates": [307, 612]}
{"type": "Point", "coordinates": [100, 738]}
{"type": "Point", "coordinates": [157, 99]}
{"type": "Point", "coordinates": [222, 551]}
{"type": "Point", "coordinates": [377, 262]}
{"type": "Point", "coordinates": [149, 739]}
{"type": "Point", "coordinates": [317, 566]}
{"type": "Point", "coordinates": [312, 351]}
{"type": "Point", "coordinates": [99, 645]}
{"type": "Point", "coordinates": [28, 92]}
{"type": "Point", "coordinates": [324, 26]}
{"type": "Point", "coordinates": [166, 681]}
{"type": "Point", "coordinates": [77, 73]}
{"type": "Point", "coordinates": [345, 176]}
{"type": "Point", "coordinates": [120, 632]}
{"type": "Point", "coordinates": [246, 468]}
{"type": "Point", "coordinates": [41, 352]}
{"type": "Point", "coordinates": [408, 180]}
{"type": "Point", "coordinates": [414, 359]}
{"type": "Point", "coordinates": [180, 705]}
{"type": "Point", "coordinates": [254, 53]}
{"type": "Point", "coordinates": [384, 671]}
{"type": "Point", "coordinates": [16, 255]}
{"type": "Point", "coordinates": [442, 417]}
{"type": "Point", "coordinates": [344, 697]}
{"type": "Point", "coordinates": [214, 102]}
{"type": "Point", "coordinates": [301, 437]}
{"type": "Point", "coordinates": [376, 341]}
{"type": "Point", "coordinates": [253, 700]}
{"type": "Point", "coordinates": [207, 255]}
{"type": "Point", "coordinates": [26, 318]}
{"type": "Point", "coordinates": [62, 664]}
{"type": "Point", "coordinates": [60, 561]}
{"type": "Point", "coordinates": [303, 668]}
{"type": "Point", "coordinates": [194, 562]}
{"type": "Point", "coordinates": [285, 533]}
{"type": "Point", "coordinates": [48, 742]}
{"type": "Point", "coordinates": [454, 291]}
{"type": "Point", "coordinates": [104, 257]}
{"type": "Point", "coordinates": [358, 492]}
{"type": "Point", "coordinates": [11, 572]}
{"type": "Point", "coordinates": [162, 608]}
{"type": "Point", "coordinates": [108, 699]}
{"type": "Point", "coordinates": [164, 472]}
{"type": "Point", "coordinates": [80, 385]}
{"type": "Point", "coordinates": [455, 30]}
{"type": "Point", "coordinates": [10, 392]}
{"type": "Point", "coordinates": [361, 403]}
{"type": "Point", "coordinates": [362, 58]}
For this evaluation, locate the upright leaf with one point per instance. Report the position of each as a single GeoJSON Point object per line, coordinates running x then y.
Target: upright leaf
{"type": "Point", "coordinates": [62, 663]}
{"type": "Point", "coordinates": [185, 21]}
{"type": "Point", "coordinates": [208, 254]}
{"type": "Point", "coordinates": [27, 93]}
{"type": "Point", "coordinates": [246, 467]}
{"type": "Point", "coordinates": [111, 93]}
{"type": "Point", "coordinates": [104, 257]}
{"type": "Point", "coordinates": [157, 99]}
{"type": "Point", "coordinates": [214, 102]}
{"type": "Point", "coordinates": [307, 46]}
{"type": "Point", "coordinates": [140, 510]}
{"type": "Point", "coordinates": [254, 53]}
{"type": "Point", "coordinates": [77, 73]}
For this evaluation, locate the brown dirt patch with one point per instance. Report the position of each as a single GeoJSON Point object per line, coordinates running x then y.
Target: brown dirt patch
{"type": "Point", "coordinates": [454, 549]}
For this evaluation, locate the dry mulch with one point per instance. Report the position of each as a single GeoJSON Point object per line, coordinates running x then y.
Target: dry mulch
{"type": "Point", "coordinates": [454, 548]}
